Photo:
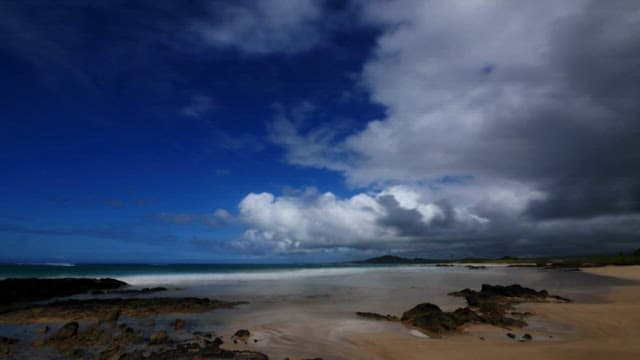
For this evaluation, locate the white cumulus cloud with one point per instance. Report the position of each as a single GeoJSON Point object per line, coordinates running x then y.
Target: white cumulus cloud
{"type": "Point", "coordinates": [532, 104]}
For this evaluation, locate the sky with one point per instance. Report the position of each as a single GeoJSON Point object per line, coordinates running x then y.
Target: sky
{"type": "Point", "coordinates": [314, 131]}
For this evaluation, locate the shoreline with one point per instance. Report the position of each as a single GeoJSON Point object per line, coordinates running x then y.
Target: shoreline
{"type": "Point", "coordinates": [603, 330]}
{"type": "Point", "coordinates": [308, 327]}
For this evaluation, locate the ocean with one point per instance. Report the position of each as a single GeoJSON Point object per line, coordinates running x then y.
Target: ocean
{"type": "Point", "coordinates": [310, 309]}
{"type": "Point", "coordinates": [355, 280]}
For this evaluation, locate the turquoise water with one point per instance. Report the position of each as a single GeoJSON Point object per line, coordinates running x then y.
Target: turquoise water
{"type": "Point", "coordinates": [341, 282]}
{"type": "Point", "coordinates": [183, 274]}
{"type": "Point", "coordinates": [119, 270]}
{"type": "Point", "coordinates": [257, 279]}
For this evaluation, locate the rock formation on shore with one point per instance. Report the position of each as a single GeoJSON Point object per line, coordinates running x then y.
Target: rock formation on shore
{"type": "Point", "coordinates": [25, 290]}
{"type": "Point", "coordinates": [106, 309]}
{"type": "Point", "coordinates": [125, 343]}
{"type": "Point", "coordinates": [491, 305]}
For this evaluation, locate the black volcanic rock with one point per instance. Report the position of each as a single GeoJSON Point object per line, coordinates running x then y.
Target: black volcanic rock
{"type": "Point", "coordinates": [421, 310]}
{"type": "Point", "coordinates": [490, 305]}
{"type": "Point", "coordinates": [509, 293]}
{"type": "Point", "coordinates": [124, 342]}
{"type": "Point", "coordinates": [67, 331]}
{"type": "Point", "coordinates": [431, 318]}
{"type": "Point", "coordinates": [101, 309]}
{"type": "Point", "coordinates": [375, 316]}
{"type": "Point", "coordinates": [211, 350]}
{"type": "Point", "coordinates": [25, 290]}
{"type": "Point", "coordinates": [159, 337]}
{"type": "Point", "coordinates": [242, 333]}
{"type": "Point", "coordinates": [5, 345]}
{"type": "Point", "coordinates": [178, 324]}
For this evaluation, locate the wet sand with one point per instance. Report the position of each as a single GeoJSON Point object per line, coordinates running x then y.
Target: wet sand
{"type": "Point", "coordinates": [315, 317]}
{"type": "Point", "coordinates": [609, 330]}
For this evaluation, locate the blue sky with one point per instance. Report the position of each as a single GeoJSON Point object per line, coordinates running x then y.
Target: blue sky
{"type": "Point", "coordinates": [314, 130]}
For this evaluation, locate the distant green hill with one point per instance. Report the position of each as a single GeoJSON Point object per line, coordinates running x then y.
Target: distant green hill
{"type": "Point", "coordinates": [632, 258]}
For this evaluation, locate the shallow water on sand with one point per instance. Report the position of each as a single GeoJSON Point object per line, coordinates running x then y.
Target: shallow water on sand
{"type": "Point", "coordinates": [297, 311]}
{"type": "Point", "coordinates": [316, 316]}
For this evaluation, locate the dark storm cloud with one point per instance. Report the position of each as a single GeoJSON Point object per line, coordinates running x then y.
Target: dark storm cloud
{"type": "Point", "coordinates": [599, 54]}
{"type": "Point", "coordinates": [411, 223]}
{"type": "Point", "coordinates": [407, 221]}
{"type": "Point", "coordinates": [580, 197]}
{"type": "Point", "coordinates": [542, 110]}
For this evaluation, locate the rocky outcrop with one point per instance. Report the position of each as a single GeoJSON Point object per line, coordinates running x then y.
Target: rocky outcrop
{"type": "Point", "coordinates": [106, 342]}
{"type": "Point", "coordinates": [26, 290]}
{"type": "Point", "coordinates": [101, 309]}
{"type": "Point", "coordinates": [375, 316]}
{"type": "Point", "coordinates": [194, 351]}
{"type": "Point", "coordinates": [491, 305]}
{"type": "Point", "coordinates": [242, 333]}
{"type": "Point", "coordinates": [178, 324]}
{"type": "Point", "coordinates": [158, 338]}
{"type": "Point", "coordinates": [112, 316]}
{"type": "Point", "coordinates": [242, 336]}
{"type": "Point", "coordinates": [5, 345]}
{"type": "Point", "coordinates": [67, 331]}
{"type": "Point", "coordinates": [511, 294]}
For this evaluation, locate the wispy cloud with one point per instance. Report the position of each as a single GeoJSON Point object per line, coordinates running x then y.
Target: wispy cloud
{"type": "Point", "coordinates": [263, 27]}
{"type": "Point", "coordinates": [198, 106]}
{"type": "Point", "coordinates": [109, 232]}
{"type": "Point", "coordinates": [219, 218]}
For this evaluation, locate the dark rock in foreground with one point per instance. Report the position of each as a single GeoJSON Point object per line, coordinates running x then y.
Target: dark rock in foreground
{"type": "Point", "coordinates": [5, 345]}
{"type": "Point", "coordinates": [26, 290]}
{"type": "Point", "coordinates": [68, 331]}
{"type": "Point", "coordinates": [134, 291]}
{"type": "Point", "coordinates": [178, 324]}
{"type": "Point", "coordinates": [103, 309]}
{"type": "Point", "coordinates": [242, 333]}
{"type": "Point", "coordinates": [375, 316]}
{"type": "Point", "coordinates": [194, 351]}
{"type": "Point", "coordinates": [432, 319]}
{"type": "Point", "coordinates": [159, 338]}
{"type": "Point", "coordinates": [488, 306]}
{"type": "Point", "coordinates": [510, 294]}
{"type": "Point", "coordinates": [102, 341]}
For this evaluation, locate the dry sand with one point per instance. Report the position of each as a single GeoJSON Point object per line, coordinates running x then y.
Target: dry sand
{"type": "Point", "coordinates": [609, 330]}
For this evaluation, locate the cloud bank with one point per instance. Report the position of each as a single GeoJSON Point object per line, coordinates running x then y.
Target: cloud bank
{"type": "Point", "coordinates": [534, 104]}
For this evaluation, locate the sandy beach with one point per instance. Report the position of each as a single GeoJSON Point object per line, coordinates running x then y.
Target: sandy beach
{"type": "Point", "coordinates": [607, 330]}
{"type": "Point", "coordinates": [314, 314]}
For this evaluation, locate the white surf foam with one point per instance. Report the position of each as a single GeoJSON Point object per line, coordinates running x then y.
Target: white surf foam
{"type": "Point", "coordinates": [207, 278]}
